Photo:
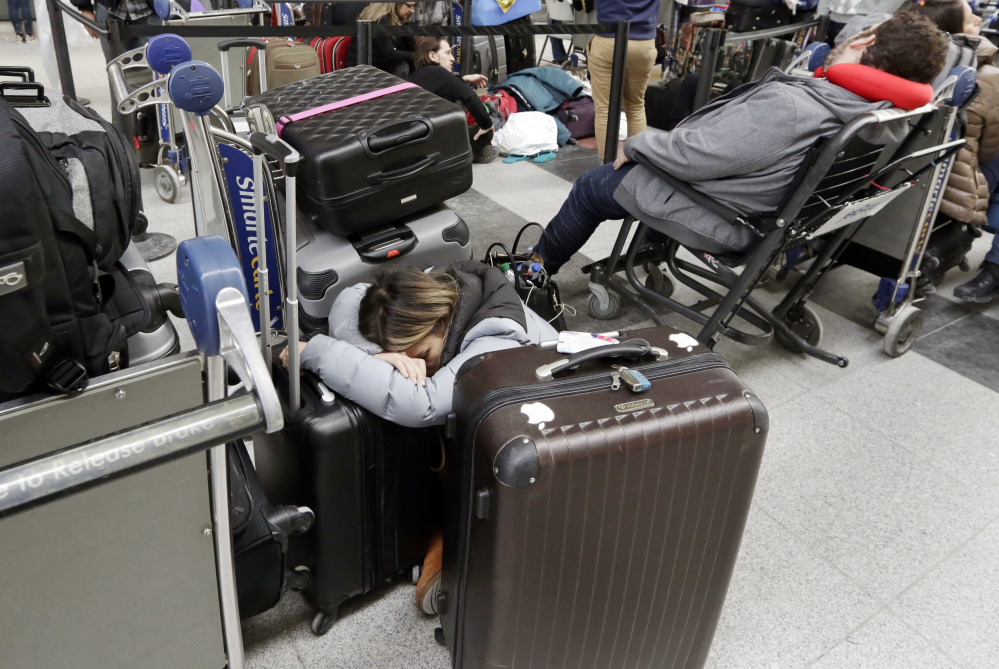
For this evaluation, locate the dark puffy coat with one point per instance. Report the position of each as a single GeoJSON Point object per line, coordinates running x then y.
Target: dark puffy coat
{"type": "Point", "coordinates": [967, 195]}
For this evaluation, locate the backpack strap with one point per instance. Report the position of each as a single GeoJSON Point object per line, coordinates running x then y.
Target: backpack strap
{"type": "Point", "coordinates": [28, 349]}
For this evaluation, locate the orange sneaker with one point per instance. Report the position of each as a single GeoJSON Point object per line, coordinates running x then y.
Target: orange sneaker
{"type": "Point", "coordinates": [430, 579]}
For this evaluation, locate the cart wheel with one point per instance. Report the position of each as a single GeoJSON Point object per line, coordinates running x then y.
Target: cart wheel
{"type": "Point", "coordinates": [964, 265]}
{"type": "Point", "coordinates": [322, 623]}
{"type": "Point", "coordinates": [804, 322]}
{"type": "Point", "coordinates": [415, 575]}
{"type": "Point", "coordinates": [903, 330]}
{"type": "Point", "coordinates": [167, 182]}
{"type": "Point", "coordinates": [604, 314]}
{"type": "Point", "coordinates": [657, 281]}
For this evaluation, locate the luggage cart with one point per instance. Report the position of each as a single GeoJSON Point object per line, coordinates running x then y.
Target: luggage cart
{"type": "Point", "coordinates": [205, 49]}
{"type": "Point", "coordinates": [170, 170]}
{"type": "Point", "coordinates": [142, 554]}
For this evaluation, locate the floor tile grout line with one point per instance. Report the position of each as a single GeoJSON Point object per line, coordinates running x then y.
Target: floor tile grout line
{"type": "Point", "coordinates": [946, 325]}
{"type": "Point", "coordinates": [886, 606]}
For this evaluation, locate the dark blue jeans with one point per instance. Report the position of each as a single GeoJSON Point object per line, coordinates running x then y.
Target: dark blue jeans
{"type": "Point", "coordinates": [991, 172]}
{"type": "Point", "coordinates": [20, 17]}
{"type": "Point", "coordinates": [590, 203]}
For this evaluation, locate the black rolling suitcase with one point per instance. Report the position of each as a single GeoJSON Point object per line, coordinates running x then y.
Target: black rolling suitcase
{"type": "Point", "coordinates": [376, 149]}
{"type": "Point", "coordinates": [743, 16]}
{"type": "Point", "coordinates": [369, 482]}
{"type": "Point", "coordinates": [260, 534]}
{"type": "Point", "coordinates": [593, 526]}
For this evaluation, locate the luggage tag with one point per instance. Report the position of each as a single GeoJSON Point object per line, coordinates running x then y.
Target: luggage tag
{"type": "Point", "coordinates": [574, 342]}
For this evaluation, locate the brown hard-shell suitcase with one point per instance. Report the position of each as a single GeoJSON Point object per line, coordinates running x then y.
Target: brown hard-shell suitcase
{"type": "Point", "coordinates": [594, 527]}
{"type": "Point", "coordinates": [287, 62]}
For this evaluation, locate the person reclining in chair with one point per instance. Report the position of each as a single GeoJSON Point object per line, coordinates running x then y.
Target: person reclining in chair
{"type": "Point", "coordinates": [742, 150]}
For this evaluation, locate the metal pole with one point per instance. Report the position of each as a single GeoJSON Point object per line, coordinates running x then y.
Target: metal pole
{"type": "Point", "coordinates": [263, 298]}
{"type": "Point", "coordinates": [616, 89]}
{"type": "Point", "coordinates": [33, 483]}
{"type": "Point", "coordinates": [291, 299]}
{"type": "Point", "coordinates": [713, 39]}
{"type": "Point", "coordinates": [467, 49]}
{"type": "Point", "coordinates": [365, 34]}
{"type": "Point", "coordinates": [61, 49]}
{"type": "Point", "coordinates": [218, 469]}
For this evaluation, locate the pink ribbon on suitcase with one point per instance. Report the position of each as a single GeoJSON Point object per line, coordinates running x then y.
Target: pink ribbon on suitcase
{"type": "Point", "coordinates": [333, 106]}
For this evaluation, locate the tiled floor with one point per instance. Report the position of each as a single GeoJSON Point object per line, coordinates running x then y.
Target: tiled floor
{"type": "Point", "coordinates": [874, 533]}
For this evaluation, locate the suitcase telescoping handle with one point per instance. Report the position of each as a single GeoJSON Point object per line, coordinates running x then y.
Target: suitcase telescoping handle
{"type": "Point", "coordinates": [24, 93]}
{"type": "Point", "coordinates": [224, 47]}
{"type": "Point", "coordinates": [634, 349]}
{"type": "Point", "coordinates": [277, 148]}
{"type": "Point", "coordinates": [18, 72]}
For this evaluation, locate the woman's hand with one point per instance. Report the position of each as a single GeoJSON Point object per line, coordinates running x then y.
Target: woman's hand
{"type": "Point", "coordinates": [480, 132]}
{"type": "Point", "coordinates": [284, 353]}
{"type": "Point", "coordinates": [414, 369]}
{"type": "Point", "coordinates": [476, 80]}
{"type": "Point", "coordinates": [93, 17]}
{"type": "Point", "coordinates": [620, 160]}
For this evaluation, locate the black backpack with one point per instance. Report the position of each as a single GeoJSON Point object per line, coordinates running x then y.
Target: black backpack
{"type": "Point", "coordinates": [71, 196]}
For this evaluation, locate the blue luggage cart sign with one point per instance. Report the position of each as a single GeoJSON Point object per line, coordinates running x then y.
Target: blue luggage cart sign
{"type": "Point", "coordinates": [238, 167]}
{"type": "Point", "coordinates": [163, 115]}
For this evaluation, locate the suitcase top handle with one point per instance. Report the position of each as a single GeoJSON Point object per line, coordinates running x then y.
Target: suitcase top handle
{"type": "Point", "coordinates": [333, 106]}
{"type": "Point", "coordinates": [634, 349]}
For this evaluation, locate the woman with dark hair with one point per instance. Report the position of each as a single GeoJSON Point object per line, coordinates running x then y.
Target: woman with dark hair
{"type": "Point", "coordinates": [394, 55]}
{"type": "Point", "coordinates": [966, 198]}
{"type": "Point", "coordinates": [434, 62]}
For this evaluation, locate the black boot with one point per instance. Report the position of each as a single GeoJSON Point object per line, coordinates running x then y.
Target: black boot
{"type": "Point", "coordinates": [983, 288]}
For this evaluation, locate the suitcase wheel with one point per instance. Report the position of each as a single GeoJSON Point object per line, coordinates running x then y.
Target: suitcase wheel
{"type": "Point", "coordinates": [298, 578]}
{"type": "Point", "coordinates": [322, 623]}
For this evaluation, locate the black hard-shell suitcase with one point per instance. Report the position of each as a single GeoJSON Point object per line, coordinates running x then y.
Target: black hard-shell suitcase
{"type": "Point", "coordinates": [369, 482]}
{"type": "Point", "coordinates": [521, 52]}
{"type": "Point", "coordinates": [260, 534]}
{"type": "Point", "coordinates": [594, 527]}
{"type": "Point", "coordinates": [328, 263]}
{"type": "Point", "coordinates": [376, 161]}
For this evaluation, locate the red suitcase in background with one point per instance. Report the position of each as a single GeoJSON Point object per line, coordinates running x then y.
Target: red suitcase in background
{"type": "Point", "coordinates": [594, 527]}
{"type": "Point", "coordinates": [332, 51]}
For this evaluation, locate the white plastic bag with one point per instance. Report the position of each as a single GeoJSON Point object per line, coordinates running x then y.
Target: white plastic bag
{"type": "Point", "coordinates": [76, 37]}
{"type": "Point", "coordinates": [527, 134]}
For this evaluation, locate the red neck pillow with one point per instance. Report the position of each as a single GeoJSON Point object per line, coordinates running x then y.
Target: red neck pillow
{"type": "Point", "coordinates": [877, 86]}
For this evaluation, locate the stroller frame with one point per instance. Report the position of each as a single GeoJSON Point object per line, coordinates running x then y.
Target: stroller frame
{"type": "Point", "coordinates": [836, 188]}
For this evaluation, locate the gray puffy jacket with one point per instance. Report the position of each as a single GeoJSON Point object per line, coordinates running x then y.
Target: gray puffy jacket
{"type": "Point", "coordinates": [344, 362]}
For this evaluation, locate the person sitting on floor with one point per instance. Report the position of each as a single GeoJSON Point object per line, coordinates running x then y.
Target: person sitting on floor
{"type": "Point", "coordinates": [743, 150]}
{"type": "Point", "coordinates": [396, 344]}
{"type": "Point", "coordinates": [434, 61]}
{"type": "Point", "coordinates": [392, 54]}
